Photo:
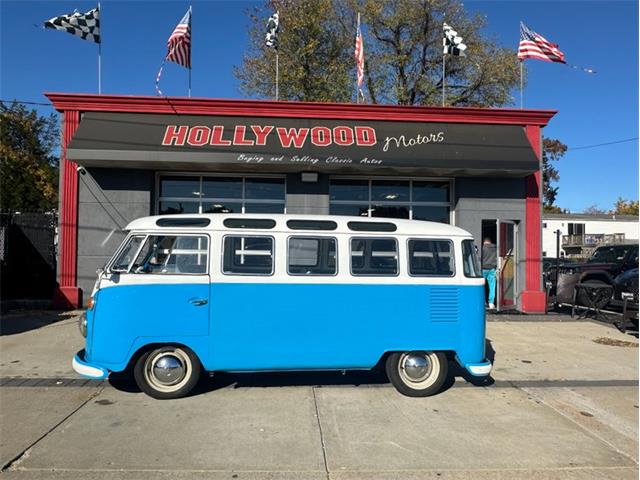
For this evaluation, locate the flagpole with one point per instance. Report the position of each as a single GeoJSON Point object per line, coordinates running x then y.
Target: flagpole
{"type": "Point", "coordinates": [357, 86]}
{"type": "Point", "coordinates": [521, 87]}
{"type": "Point", "coordinates": [99, 56]}
{"type": "Point", "coordinates": [190, 56]}
{"type": "Point", "coordinates": [443, 73]}
{"type": "Point", "coordinates": [277, 72]}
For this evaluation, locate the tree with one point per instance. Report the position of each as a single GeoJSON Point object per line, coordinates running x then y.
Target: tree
{"type": "Point", "coordinates": [554, 209]}
{"type": "Point", "coordinates": [28, 164]}
{"type": "Point", "coordinates": [313, 54]}
{"type": "Point", "coordinates": [626, 207]}
{"type": "Point", "coordinates": [403, 54]}
{"type": "Point", "coordinates": [594, 210]}
{"type": "Point", "coordinates": [552, 150]}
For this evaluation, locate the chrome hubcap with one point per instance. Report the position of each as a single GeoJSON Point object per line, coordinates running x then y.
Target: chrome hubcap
{"type": "Point", "coordinates": [168, 369]}
{"type": "Point", "coordinates": [415, 367]}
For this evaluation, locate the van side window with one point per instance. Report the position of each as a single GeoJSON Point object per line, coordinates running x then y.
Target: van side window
{"type": "Point", "coordinates": [471, 266]}
{"type": "Point", "coordinates": [244, 255]}
{"type": "Point", "coordinates": [312, 256]}
{"type": "Point", "coordinates": [374, 256]}
{"type": "Point", "coordinates": [431, 258]}
{"type": "Point", "coordinates": [173, 255]}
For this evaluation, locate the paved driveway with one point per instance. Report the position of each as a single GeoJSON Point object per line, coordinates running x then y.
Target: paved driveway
{"type": "Point", "coordinates": [563, 404]}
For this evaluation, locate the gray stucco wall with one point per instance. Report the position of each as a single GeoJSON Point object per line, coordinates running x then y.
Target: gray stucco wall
{"type": "Point", "coordinates": [108, 200]}
{"type": "Point", "coordinates": [477, 199]}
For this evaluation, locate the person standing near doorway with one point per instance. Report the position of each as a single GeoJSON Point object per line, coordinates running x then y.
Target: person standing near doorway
{"type": "Point", "coordinates": [489, 265]}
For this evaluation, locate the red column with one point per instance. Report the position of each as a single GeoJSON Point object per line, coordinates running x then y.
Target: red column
{"type": "Point", "coordinates": [533, 296]}
{"type": "Point", "coordinates": [68, 294]}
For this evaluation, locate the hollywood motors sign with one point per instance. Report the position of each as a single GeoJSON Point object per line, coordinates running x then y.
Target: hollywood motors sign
{"type": "Point", "coordinates": [289, 137]}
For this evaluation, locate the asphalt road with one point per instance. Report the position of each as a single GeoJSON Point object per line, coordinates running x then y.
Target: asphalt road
{"type": "Point", "coordinates": [562, 404]}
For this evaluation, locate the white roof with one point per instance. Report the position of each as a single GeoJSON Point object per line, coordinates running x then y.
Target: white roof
{"type": "Point", "coordinates": [405, 227]}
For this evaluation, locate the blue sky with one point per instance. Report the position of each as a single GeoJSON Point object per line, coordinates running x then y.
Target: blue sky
{"type": "Point", "coordinates": [593, 109]}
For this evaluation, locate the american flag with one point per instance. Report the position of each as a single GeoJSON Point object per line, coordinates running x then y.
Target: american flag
{"type": "Point", "coordinates": [534, 45]}
{"type": "Point", "coordinates": [179, 43]}
{"type": "Point", "coordinates": [359, 55]}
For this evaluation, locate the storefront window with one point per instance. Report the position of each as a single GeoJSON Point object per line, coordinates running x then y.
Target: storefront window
{"type": "Point", "coordinates": [390, 191]}
{"type": "Point", "coordinates": [222, 187]}
{"type": "Point", "coordinates": [415, 199]}
{"type": "Point", "coordinates": [182, 187]}
{"type": "Point", "coordinates": [351, 210]}
{"type": "Point", "coordinates": [431, 191]}
{"type": "Point", "coordinates": [213, 194]}
{"type": "Point", "coordinates": [431, 213]}
{"type": "Point", "coordinates": [349, 190]}
{"type": "Point", "coordinates": [170, 208]}
{"type": "Point", "coordinates": [264, 188]}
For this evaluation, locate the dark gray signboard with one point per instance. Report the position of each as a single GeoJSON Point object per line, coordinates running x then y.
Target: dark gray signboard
{"type": "Point", "coordinates": [291, 144]}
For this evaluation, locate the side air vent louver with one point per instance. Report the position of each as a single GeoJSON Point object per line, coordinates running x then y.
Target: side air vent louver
{"type": "Point", "coordinates": [444, 304]}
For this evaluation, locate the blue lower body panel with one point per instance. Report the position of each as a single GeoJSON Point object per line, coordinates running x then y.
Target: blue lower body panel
{"type": "Point", "coordinates": [307, 326]}
{"type": "Point", "coordinates": [270, 326]}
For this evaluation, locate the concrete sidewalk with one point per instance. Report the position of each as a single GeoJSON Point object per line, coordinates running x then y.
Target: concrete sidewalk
{"type": "Point", "coordinates": [563, 404]}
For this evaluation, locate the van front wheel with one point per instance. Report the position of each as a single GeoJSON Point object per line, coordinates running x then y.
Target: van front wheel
{"type": "Point", "coordinates": [417, 374]}
{"type": "Point", "coordinates": [167, 372]}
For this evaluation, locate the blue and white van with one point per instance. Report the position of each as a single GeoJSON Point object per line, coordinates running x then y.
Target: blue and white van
{"type": "Point", "coordinates": [250, 293]}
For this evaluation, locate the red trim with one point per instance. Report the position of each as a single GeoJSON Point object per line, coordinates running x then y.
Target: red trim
{"type": "Point", "coordinates": [261, 108]}
{"type": "Point", "coordinates": [533, 297]}
{"type": "Point", "coordinates": [68, 294]}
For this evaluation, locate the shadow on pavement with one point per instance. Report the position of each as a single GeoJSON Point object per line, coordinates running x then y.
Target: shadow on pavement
{"type": "Point", "coordinates": [23, 321]}
{"type": "Point", "coordinates": [355, 378]}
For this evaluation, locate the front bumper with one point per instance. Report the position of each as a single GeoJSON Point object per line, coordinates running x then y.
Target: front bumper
{"type": "Point", "coordinates": [481, 369]}
{"type": "Point", "coordinates": [86, 369]}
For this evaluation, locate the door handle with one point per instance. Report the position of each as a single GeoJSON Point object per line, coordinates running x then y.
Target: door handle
{"type": "Point", "coordinates": [198, 301]}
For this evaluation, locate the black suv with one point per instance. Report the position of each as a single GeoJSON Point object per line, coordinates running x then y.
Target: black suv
{"type": "Point", "coordinates": [605, 264]}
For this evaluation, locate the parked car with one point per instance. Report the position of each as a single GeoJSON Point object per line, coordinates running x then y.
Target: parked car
{"type": "Point", "coordinates": [626, 285]}
{"type": "Point", "coordinates": [603, 266]}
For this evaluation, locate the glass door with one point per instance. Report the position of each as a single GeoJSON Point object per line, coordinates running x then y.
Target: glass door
{"type": "Point", "coordinates": [507, 246]}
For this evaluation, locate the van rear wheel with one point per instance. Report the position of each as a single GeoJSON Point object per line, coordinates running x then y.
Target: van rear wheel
{"type": "Point", "coordinates": [417, 374]}
{"type": "Point", "coordinates": [167, 372]}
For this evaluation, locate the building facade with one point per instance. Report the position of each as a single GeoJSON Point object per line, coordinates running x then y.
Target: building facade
{"type": "Point", "coordinates": [124, 157]}
{"type": "Point", "coordinates": [581, 233]}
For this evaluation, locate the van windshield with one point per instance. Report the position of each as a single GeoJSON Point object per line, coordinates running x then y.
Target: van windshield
{"type": "Point", "coordinates": [127, 254]}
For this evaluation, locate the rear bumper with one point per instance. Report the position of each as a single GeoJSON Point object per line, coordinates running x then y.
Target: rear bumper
{"type": "Point", "coordinates": [86, 369]}
{"type": "Point", "coordinates": [481, 369]}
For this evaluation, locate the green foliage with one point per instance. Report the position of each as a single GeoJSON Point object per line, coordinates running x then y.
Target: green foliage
{"type": "Point", "coordinates": [312, 54]}
{"type": "Point", "coordinates": [554, 209]}
{"type": "Point", "coordinates": [552, 151]}
{"type": "Point", "coordinates": [403, 54]}
{"type": "Point", "coordinates": [28, 163]}
{"type": "Point", "coordinates": [626, 207]}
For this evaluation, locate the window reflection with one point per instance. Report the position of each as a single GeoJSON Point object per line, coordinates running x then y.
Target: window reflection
{"type": "Point", "coordinates": [416, 199]}
{"type": "Point", "coordinates": [183, 194]}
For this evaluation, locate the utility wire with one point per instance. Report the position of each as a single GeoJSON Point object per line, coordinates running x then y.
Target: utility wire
{"type": "Point", "coordinates": [27, 103]}
{"type": "Point", "coordinates": [603, 144]}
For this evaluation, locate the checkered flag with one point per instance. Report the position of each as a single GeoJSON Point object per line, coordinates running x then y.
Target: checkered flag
{"type": "Point", "coordinates": [452, 43]}
{"type": "Point", "coordinates": [273, 28]}
{"type": "Point", "coordinates": [83, 25]}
